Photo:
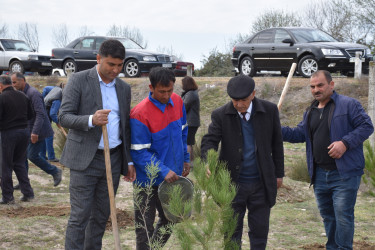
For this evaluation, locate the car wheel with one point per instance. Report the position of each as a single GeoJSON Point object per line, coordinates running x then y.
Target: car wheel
{"type": "Point", "coordinates": [132, 69]}
{"type": "Point", "coordinates": [70, 66]}
{"type": "Point", "coordinates": [46, 73]}
{"type": "Point", "coordinates": [16, 66]}
{"type": "Point", "coordinates": [307, 66]}
{"type": "Point", "coordinates": [247, 67]}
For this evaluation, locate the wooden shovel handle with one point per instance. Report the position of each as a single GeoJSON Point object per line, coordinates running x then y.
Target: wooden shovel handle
{"type": "Point", "coordinates": [111, 192]}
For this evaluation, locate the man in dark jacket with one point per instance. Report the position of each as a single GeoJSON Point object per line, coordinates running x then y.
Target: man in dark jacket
{"type": "Point", "coordinates": [334, 128]}
{"type": "Point", "coordinates": [251, 145]}
{"type": "Point", "coordinates": [15, 110]}
{"type": "Point", "coordinates": [40, 128]}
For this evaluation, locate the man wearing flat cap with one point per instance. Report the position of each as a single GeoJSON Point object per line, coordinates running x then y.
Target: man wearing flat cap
{"type": "Point", "coordinates": [252, 147]}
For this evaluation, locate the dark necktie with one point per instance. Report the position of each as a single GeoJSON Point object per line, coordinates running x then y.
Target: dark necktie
{"type": "Point", "coordinates": [244, 116]}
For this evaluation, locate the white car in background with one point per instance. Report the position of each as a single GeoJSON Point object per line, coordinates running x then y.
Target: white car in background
{"type": "Point", "coordinates": [17, 56]}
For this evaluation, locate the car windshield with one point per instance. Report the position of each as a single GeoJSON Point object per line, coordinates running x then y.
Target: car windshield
{"type": "Point", "coordinates": [129, 44]}
{"type": "Point", "coordinates": [12, 45]}
{"type": "Point", "coordinates": [310, 35]}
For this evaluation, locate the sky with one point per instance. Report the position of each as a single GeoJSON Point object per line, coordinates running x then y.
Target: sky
{"type": "Point", "coordinates": [191, 28]}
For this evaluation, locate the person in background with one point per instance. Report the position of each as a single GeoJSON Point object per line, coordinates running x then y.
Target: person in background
{"type": "Point", "coordinates": [15, 111]}
{"type": "Point", "coordinates": [334, 128]}
{"type": "Point", "coordinates": [91, 99]}
{"type": "Point", "coordinates": [40, 128]}
{"type": "Point", "coordinates": [252, 147]}
{"type": "Point", "coordinates": [52, 99]}
{"type": "Point", "coordinates": [192, 105]}
{"type": "Point", "coordinates": [158, 135]}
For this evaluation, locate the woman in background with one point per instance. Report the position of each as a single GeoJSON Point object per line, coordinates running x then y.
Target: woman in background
{"type": "Point", "coordinates": [191, 102]}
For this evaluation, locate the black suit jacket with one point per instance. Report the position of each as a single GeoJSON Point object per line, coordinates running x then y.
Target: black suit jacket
{"type": "Point", "coordinates": [226, 128]}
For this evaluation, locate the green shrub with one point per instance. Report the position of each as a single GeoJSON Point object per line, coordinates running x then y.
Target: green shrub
{"type": "Point", "coordinates": [299, 170]}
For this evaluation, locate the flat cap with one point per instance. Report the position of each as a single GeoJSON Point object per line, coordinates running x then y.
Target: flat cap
{"type": "Point", "coordinates": [240, 87]}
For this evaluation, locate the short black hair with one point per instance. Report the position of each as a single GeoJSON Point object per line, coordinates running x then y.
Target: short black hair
{"type": "Point", "coordinates": [326, 74]}
{"type": "Point", "coordinates": [5, 80]}
{"type": "Point", "coordinates": [160, 75]}
{"type": "Point", "coordinates": [113, 48]}
{"type": "Point", "coordinates": [19, 75]}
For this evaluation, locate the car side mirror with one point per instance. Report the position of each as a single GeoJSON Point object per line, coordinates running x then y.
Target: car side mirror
{"type": "Point", "coordinates": [288, 40]}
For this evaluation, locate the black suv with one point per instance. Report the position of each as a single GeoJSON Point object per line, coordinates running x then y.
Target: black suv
{"type": "Point", "coordinates": [81, 54]}
{"type": "Point", "coordinates": [276, 49]}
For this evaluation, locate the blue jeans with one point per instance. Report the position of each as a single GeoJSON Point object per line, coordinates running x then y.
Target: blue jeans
{"type": "Point", "coordinates": [336, 199]}
{"type": "Point", "coordinates": [48, 148]}
{"type": "Point", "coordinates": [33, 154]}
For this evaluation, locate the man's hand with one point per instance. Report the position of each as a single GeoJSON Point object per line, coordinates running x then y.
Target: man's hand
{"type": "Point", "coordinates": [279, 182]}
{"type": "Point", "coordinates": [131, 175]}
{"type": "Point", "coordinates": [171, 177]}
{"type": "Point", "coordinates": [34, 138]}
{"type": "Point", "coordinates": [100, 117]}
{"type": "Point", "coordinates": [336, 149]}
{"type": "Point", "coordinates": [186, 170]}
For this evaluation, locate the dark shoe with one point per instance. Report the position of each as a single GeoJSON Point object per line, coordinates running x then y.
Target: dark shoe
{"type": "Point", "coordinates": [54, 160]}
{"type": "Point", "coordinates": [10, 202]}
{"type": "Point", "coordinates": [26, 198]}
{"type": "Point", "coordinates": [57, 177]}
{"type": "Point", "coordinates": [16, 187]}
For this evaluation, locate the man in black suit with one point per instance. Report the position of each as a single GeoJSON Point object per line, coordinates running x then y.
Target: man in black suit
{"type": "Point", "coordinates": [15, 111]}
{"type": "Point", "coordinates": [252, 147]}
{"type": "Point", "coordinates": [93, 98]}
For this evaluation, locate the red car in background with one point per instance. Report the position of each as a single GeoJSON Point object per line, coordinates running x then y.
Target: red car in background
{"type": "Point", "coordinates": [181, 68]}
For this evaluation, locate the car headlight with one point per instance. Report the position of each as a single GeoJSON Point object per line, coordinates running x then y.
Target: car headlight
{"type": "Point", "coordinates": [32, 57]}
{"type": "Point", "coordinates": [149, 59]}
{"type": "Point", "coordinates": [332, 52]}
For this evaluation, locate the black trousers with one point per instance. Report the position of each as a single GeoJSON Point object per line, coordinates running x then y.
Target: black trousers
{"type": "Point", "coordinates": [149, 211]}
{"type": "Point", "coordinates": [251, 196]}
{"type": "Point", "coordinates": [14, 144]}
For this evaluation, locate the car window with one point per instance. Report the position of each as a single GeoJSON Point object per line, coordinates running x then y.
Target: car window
{"type": "Point", "coordinates": [308, 35]}
{"type": "Point", "coordinates": [281, 35]}
{"type": "Point", "coordinates": [99, 42]}
{"type": "Point", "coordinates": [86, 44]}
{"type": "Point", "coordinates": [264, 37]}
{"type": "Point", "coordinates": [16, 45]}
{"type": "Point", "coordinates": [129, 44]}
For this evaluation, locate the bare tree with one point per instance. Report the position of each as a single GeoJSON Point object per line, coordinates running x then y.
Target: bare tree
{"type": "Point", "coordinates": [170, 51]}
{"type": "Point", "coordinates": [84, 31]}
{"type": "Point", "coordinates": [60, 36]}
{"type": "Point", "coordinates": [3, 30]}
{"type": "Point", "coordinates": [365, 10]}
{"type": "Point", "coordinates": [334, 17]}
{"type": "Point", "coordinates": [131, 33]}
{"type": "Point", "coordinates": [275, 18]}
{"type": "Point", "coordinates": [29, 33]}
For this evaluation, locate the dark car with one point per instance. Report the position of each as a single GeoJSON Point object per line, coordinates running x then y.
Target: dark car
{"type": "Point", "coordinates": [276, 49]}
{"type": "Point", "coordinates": [181, 68]}
{"type": "Point", "coordinates": [81, 54]}
{"type": "Point", "coordinates": [17, 56]}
